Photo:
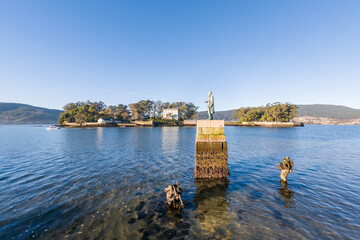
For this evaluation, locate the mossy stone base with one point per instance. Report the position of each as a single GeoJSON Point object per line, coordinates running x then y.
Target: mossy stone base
{"type": "Point", "coordinates": [211, 165]}
{"type": "Point", "coordinates": [210, 138]}
{"type": "Point", "coordinates": [211, 160]}
{"type": "Point", "coordinates": [208, 147]}
{"type": "Point", "coordinates": [210, 130]}
{"type": "Point", "coordinates": [211, 150]}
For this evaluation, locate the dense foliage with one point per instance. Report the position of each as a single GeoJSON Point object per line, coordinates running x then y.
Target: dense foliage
{"type": "Point", "coordinates": [276, 112]}
{"type": "Point", "coordinates": [154, 109]}
{"type": "Point", "coordinates": [81, 112]}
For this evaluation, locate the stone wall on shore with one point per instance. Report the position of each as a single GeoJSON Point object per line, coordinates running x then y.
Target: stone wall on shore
{"type": "Point", "coordinates": [266, 124]}
{"type": "Point", "coordinates": [144, 123]}
{"type": "Point", "coordinates": [96, 124]}
{"type": "Point", "coordinates": [86, 124]}
{"type": "Point", "coordinates": [189, 123]}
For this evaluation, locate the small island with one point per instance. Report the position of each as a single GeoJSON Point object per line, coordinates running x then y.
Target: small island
{"type": "Point", "coordinates": [272, 115]}
{"type": "Point", "coordinates": [143, 113]}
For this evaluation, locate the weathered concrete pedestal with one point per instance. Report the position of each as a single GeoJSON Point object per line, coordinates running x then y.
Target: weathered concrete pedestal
{"type": "Point", "coordinates": [211, 150]}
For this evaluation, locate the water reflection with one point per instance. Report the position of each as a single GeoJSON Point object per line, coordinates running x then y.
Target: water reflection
{"type": "Point", "coordinates": [170, 139]}
{"type": "Point", "coordinates": [174, 214]}
{"type": "Point", "coordinates": [287, 195]}
{"type": "Point", "coordinates": [99, 138]}
{"type": "Point", "coordinates": [212, 206]}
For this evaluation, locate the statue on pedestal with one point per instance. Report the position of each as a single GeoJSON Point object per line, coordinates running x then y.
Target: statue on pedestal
{"type": "Point", "coordinates": [211, 109]}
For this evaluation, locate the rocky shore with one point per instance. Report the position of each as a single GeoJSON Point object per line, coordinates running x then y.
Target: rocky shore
{"type": "Point", "coordinates": [327, 121]}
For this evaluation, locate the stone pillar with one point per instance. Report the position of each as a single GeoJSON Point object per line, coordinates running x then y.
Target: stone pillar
{"type": "Point", "coordinates": [211, 150]}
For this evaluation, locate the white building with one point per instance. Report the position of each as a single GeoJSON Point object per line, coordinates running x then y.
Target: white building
{"type": "Point", "coordinates": [105, 120]}
{"type": "Point", "coordinates": [171, 113]}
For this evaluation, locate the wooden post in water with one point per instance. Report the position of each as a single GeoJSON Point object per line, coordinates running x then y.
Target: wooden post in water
{"type": "Point", "coordinates": [211, 150]}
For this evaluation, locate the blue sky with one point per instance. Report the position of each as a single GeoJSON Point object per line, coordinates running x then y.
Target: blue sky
{"type": "Point", "coordinates": [248, 53]}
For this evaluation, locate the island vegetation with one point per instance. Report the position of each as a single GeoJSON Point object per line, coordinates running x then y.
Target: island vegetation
{"type": "Point", "coordinates": [82, 112]}
{"type": "Point", "coordinates": [275, 112]}
{"type": "Point", "coordinates": [153, 109]}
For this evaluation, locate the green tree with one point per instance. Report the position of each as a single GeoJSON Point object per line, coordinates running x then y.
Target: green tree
{"type": "Point", "coordinates": [157, 109]}
{"type": "Point", "coordinates": [80, 118]}
{"type": "Point", "coordinates": [239, 113]}
{"type": "Point", "coordinates": [81, 112]}
{"type": "Point", "coordinates": [121, 112]}
{"type": "Point", "coordinates": [189, 111]}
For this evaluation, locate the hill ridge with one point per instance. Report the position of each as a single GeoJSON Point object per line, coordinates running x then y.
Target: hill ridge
{"type": "Point", "coordinates": [19, 113]}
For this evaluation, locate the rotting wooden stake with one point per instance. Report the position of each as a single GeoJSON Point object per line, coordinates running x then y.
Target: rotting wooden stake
{"type": "Point", "coordinates": [286, 167]}
{"type": "Point", "coordinates": [174, 195]}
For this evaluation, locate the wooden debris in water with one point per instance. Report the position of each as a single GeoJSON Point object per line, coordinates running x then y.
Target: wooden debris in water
{"type": "Point", "coordinates": [173, 195]}
{"type": "Point", "coordinates": [286, 167]}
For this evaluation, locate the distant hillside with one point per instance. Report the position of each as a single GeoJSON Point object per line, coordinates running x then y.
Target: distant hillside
{"type": "Point", "coordinates": [17, 113]}
{"type": "Point", "coordinates": [313, 110]}
{"type": "Point", "coordinates": [221, 115]}
{"type": "Point", "coordinates": [328, 111]}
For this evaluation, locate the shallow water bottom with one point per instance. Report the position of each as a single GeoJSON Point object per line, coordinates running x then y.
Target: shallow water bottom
{"type": "Point", "coordinates": [108, 183]}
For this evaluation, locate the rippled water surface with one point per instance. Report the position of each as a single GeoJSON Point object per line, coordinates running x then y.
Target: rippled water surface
{"type": "Point", "coordinates": [108, 183]}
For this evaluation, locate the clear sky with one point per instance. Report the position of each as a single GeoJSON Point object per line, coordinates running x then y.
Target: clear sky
{"type": "Point", "coordinates": [248, 53]}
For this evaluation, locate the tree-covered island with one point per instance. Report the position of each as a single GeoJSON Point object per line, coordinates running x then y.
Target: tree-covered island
{"type": "Point", "coordinates": [83, 112]}
{"type": "Point", "coordinates": [275, 112]}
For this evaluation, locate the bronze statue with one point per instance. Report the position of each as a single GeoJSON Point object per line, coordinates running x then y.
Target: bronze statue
{"type": "Point", "coordinates": [286, 167]}
{"type": "Point", "coordinates": [211, 109]}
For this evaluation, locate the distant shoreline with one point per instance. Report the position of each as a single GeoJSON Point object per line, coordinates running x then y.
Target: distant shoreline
{"type": "Point", "coordinates": [327, 121]}
{"type": "Point", "coordinates": [191, 123]}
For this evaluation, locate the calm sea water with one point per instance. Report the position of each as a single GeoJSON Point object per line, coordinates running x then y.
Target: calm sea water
{"type": "Point", "coordinates": [108, 183]}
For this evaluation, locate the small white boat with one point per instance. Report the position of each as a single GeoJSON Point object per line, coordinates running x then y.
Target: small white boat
{"type": "Point", "coordinates": [52, 128]}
